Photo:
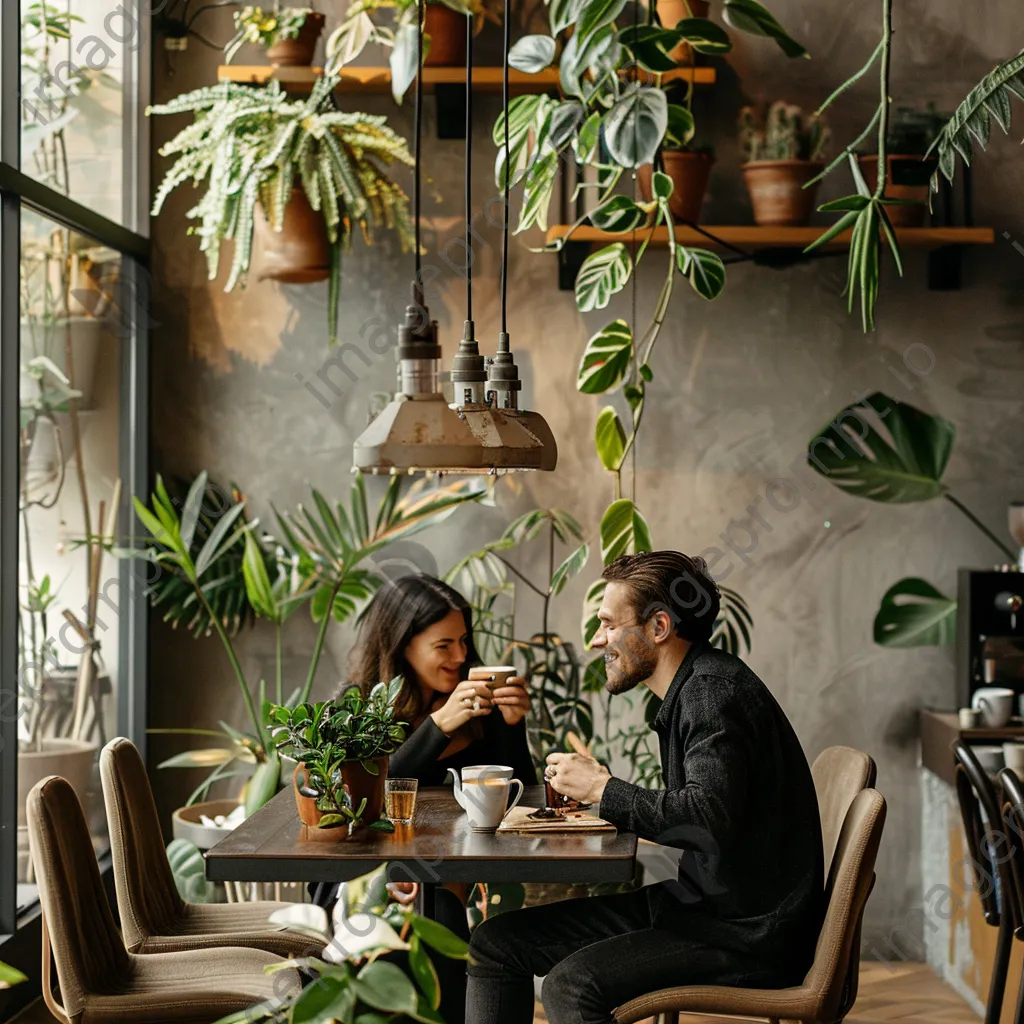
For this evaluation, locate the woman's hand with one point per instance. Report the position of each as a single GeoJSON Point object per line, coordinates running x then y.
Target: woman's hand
{"type": "Point", "coordinates": [512, 700]}
{"type": "Point", "coordinates": [468, 700]}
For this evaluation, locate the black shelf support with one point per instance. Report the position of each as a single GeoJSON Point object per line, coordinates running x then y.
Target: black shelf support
{"type": "Point", "coordinates": [570, 259]}
{"type": "Point", "coordinates": [450, 100]}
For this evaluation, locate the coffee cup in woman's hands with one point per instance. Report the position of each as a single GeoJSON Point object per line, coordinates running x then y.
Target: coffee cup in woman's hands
{"type": "Point", "coordinates": [470, 699]}
{"type": "Point", "coordinates": [512, 699]}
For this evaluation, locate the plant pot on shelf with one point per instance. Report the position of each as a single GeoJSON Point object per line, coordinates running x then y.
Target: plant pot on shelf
{"type": "Point", "coordinates": [300, 252]}
{"type": "Point", "coordinates": [907, 178]}
{"type": "Point", "coordinates": [671, 12]}
{"type": "Point", "coordinates": [186, 822]}
{"type": "Point", "coordinates": [689, 173]}
{"type": "Point", "coordinates": [360, 783]}
{"type": "Point", "coordinates": [298, 52]}
{"type": "Point", "coordinates": [70, 759]}
{"type": "Point", "coordinates": [447, 31]}
{"type": "Point", "coordinates": [777, 191]}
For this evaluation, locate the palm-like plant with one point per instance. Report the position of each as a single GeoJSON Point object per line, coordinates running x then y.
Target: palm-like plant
{"type": "Point", "coordinates": [251, 146]}
{"type": "Point", "coordinates": [318, 561]}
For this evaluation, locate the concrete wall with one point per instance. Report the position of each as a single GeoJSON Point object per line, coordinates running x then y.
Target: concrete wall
{"type": "Point", "coordinates": [740, 387]}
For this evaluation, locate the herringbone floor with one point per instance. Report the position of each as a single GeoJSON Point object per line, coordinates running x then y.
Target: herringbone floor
{"type": "Point", "coordinates": [907, 993]}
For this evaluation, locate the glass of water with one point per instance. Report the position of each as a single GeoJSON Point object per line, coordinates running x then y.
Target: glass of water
{"type": "Point", "coordinates": [400, 800]}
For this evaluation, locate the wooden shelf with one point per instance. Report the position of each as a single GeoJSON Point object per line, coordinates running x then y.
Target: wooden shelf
{"type": "Point", "coordinates": [754, 237]}
{"type": "Point", "coordinates": [378, 79]}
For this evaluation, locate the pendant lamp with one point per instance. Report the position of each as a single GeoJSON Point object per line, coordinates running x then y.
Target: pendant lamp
{"type": "Point", "coordinates": [484, 431]}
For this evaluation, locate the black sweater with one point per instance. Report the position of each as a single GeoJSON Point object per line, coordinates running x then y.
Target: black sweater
{"type": "Point", "coordinates": [419, 757]}
{"type": "Point", "coordinates": [740, 801]}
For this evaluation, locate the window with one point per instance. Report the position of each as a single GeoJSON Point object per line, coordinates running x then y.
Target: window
{"type": "Point", "coordinates": [73, 429]}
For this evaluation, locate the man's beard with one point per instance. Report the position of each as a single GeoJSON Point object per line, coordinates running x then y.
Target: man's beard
{"type": "Point", "coordinates": [628, 663]}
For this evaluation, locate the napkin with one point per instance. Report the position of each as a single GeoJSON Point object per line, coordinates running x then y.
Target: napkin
{"type": "Point", "coordinates": [518, 820]}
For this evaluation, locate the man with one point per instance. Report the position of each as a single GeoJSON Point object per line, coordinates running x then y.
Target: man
{"type": "Point", "coordinates": [738, 800]}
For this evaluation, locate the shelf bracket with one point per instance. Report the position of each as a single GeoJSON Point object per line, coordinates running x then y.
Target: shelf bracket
{"type": "Point", "coordinates": [945, 269]}
{"type": "Point", "coordinates": [570, 259]}
{"type": "Point", "coordinates": [450, 100]}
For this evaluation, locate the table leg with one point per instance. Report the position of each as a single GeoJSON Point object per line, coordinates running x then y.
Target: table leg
{"type": "Point", "coordinates": [426, 899]}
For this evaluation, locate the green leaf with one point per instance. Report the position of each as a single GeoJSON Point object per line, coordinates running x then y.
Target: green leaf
{"type": "Point", "coordinates": [838, 228]}
{"type": "Point", "coordinates": [681, 126]}
{"type": "Point", "coordinates": [914, 614]}
{"type": "Point", "coordinates": [329, 998]}
{"type": "Point", "coordinates": [257, 581]}
{"type": "Point", "coordinates": [566, 118]}
{"type": "Point", "coordinates": [884, 450]}
{"type": "Point", "coordinates": [562, 14]}
{"type": "Point", "coordinates": [602, 275]}
{"type": "Point", "coordinates": [661, 185]}
{"type": "Point", "coordinates": [424, 972]}
{"type": "Point", "coordinates": [439, 938]}
{"type": "Point", "coordinates": [619, 215]}
{"type": "Point", "coordinates": [704, 35]}
{"type": "Point", "coordinates": [610, 439]}
{"type": "Point", "coordinates": [649, 45]}
{"type": "Point", "coordinates": [537, 187]}
{"type": "Point", "coordinates": [750, 16]}
{"type": "Point", "coordinates": [404, 60]}
{"type": "Point", "coordinates": [212, 548]}
{"type": "Point", "coordinates": [857, 202]}
{"type": "Point", "coordinates": [10, 976]}
{"type": "Point", "coordinates": [193, 506]}
{"type": "Point", "coordinates": [703, 269]}
{"type": "Point", "coordinates": [263, 784]}
{"type": "Point", "coordinates": [623, 530]}
{"type": "Point", "coordinates": [571, 567]}
{"type": "Point", "coordinates": [606, 359]}
{"type": "Point", "coordinates": [188, 868]}
{"type": "Point", "coordinates": [332, 821]}
{"type": "Point", "coordinates": [635, 126]}
{"type": "Point", "coordinates": [597, 14]}
{"type": "Point", "coordinates": [532, 54]}
{"type": "Point", "coordinates": [591, 606]}
{"type": "Point", "coordinates": [208, 757]}
{"type": "Point", "coordinates": [588, 139]}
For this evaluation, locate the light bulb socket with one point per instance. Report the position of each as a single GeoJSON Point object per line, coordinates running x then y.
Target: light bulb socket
{"type": "Point", "coordinates": [503, 376]}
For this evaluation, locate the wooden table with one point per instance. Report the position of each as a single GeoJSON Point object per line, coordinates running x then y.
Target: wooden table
{"type": "Point", "coordinates": [438, 847]}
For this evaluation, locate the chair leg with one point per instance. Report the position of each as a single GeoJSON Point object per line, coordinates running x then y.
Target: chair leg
{"type": "Point", "coordinates": [997, 988]}
{"type": "Point", "coordinates": [670, 1017]}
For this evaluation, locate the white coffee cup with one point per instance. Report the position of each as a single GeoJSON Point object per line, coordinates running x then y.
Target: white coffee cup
{"type": "Point", "coordinates": [483, 793]}
{"type": "Point", "coordinates": [995, 704]}
{"type": "Point", "coordinates": [493, 675]}
{"type": "Point", "coordinates": [1013, 757]}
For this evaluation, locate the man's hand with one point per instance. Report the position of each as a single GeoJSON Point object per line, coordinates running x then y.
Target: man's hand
{"type": "Point", "coordinates": [577, 776]}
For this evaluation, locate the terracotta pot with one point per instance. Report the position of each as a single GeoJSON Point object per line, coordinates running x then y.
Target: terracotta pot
{"type": "Point", "coordinates": [298, 52]}
{"type": "Point", "coordinates": [670, 13]}
{"type": "Point", "coordinates": [309, 813]}
{"type": "Point", "coordinates": [901, 216]}
{"type": "Point", "coordinates": [689, 173]}
{"type": "Point", "coordinates": [447, 31]}
{"type": "Point", "coordinates": [777, 192]}
{"type": "Point", "coordinates": [360, 783]}
{"type": "Point", "coordinates": [300, 252]}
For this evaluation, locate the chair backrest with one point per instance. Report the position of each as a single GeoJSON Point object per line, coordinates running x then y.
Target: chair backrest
{"type": "Point", "coordinates": [1013, 825]}
{"type": "Point", "coordinates": [147, 898]}
{"type": "Point", "coordinates": [976, 795]}
{"type": "Point", "coordinates": [839, 774]}
{"type": "Point", "coordinates": [87, 948]}
{"type": "Point", "coordinates": [833, 974]}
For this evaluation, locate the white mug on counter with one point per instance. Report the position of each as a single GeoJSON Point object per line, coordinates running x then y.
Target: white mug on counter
{"type": "Point", "coordinates": [1013, 757]}
{"type": "Point", "coordinates": [483, 793]}
{"type": "Point", "coordinates": [995, 704]}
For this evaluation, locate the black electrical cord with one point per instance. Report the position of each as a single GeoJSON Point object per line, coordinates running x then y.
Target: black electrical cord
{"type": "Point", "coordinates": [416, 131]}
{"type": "Point", "coordinates": [504, 106]}
{"type": "Point", "coordinates": [469, 166]}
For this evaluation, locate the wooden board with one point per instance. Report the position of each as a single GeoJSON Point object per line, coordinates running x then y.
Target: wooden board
{"type": "Point", "coordinates": [437, 847]}
{"type": "Point", "coordinates": [570, 823]}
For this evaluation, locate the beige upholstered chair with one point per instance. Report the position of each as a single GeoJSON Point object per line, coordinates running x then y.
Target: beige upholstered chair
{"type": "Point", "coordinates": [100, 981]}
{"type": "Point", "coordinates": [154, 918]}
{"type": "Point", "coordinates": [839, 774]}
{"type": "Point", "coordinates": [830, 988]}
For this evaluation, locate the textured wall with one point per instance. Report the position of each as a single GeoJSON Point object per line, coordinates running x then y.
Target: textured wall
{"type": "Point", "coordinates": [740, 386]}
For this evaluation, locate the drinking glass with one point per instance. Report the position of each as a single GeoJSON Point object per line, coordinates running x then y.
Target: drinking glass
{"type": "Point", "coordinates": [400, 800]}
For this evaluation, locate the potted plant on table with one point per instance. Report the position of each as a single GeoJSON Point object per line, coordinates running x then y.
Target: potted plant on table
{"type": "Point", "coordinates": [288, 34]}
{"type": "Point", "coordinates": [342, 748]}
{"type": "Point", "coordinates": [299, 176]}
{"type": "Point", "coordinates": [782, 154]}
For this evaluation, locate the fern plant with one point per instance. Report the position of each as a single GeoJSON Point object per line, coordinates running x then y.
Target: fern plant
{"type": "Point", "coordinates": [250, 146]}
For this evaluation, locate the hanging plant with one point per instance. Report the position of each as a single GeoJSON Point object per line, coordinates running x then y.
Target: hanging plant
{"type": "Point", "coordinates": [258, 152]}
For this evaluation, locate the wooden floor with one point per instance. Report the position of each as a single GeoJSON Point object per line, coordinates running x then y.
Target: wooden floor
{"type": "Point", "coordinates": [908, 993]}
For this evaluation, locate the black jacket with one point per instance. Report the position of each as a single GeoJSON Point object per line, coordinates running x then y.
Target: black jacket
{"type": "Point", "coordinates": [740, 801]}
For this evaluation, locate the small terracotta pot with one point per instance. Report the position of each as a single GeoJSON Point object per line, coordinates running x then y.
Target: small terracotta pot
{"type": "Point", "coordinates": [447, 31]}
{"type": "Point", "coordinates": [689, 173]}
{"type": "Point", "coordinates": [300, 252]}
{"type": "Point", "coordinates": [298, 52]}
{"type": "Point", "coordinates": [360, 783]}
{"type": "Point", "coordinates": [309, 813]}
{"type": "Point", "coordinates": [777, 192]}
{"type": "Point", "coordinates": [901, 216]}
{"type": "Point", "coordinates": [670, 13]}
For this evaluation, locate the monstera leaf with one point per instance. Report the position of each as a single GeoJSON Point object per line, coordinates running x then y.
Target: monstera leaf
{"type": "Point", "coordinates": [884, 450]}
{"type": "Point", "coordinates": [914, 614]}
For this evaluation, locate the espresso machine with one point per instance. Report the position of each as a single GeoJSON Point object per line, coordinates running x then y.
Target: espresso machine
{"type": "Point", "coordinates": [990, 622]}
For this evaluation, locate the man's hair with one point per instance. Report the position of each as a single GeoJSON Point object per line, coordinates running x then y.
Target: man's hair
{"type": "Point", "coordinates": [672, 582]}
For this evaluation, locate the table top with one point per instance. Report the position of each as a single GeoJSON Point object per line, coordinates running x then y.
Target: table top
{"type": "Point", "coordinates": [437, 847]}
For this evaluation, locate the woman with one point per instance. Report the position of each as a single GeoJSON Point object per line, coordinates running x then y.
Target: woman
{"type": "Point", "coordinates": [422, 630]}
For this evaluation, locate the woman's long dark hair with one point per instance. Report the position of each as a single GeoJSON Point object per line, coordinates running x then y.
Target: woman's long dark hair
{"type": "Point", "coordinates": [401, 610]}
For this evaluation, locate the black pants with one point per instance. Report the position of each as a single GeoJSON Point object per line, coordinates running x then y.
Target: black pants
{"type": "Point", "coordinates": [596, 954]}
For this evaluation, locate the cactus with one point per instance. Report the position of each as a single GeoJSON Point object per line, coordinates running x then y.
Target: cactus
{"type": "Point", "coordinates": [788, 134]}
